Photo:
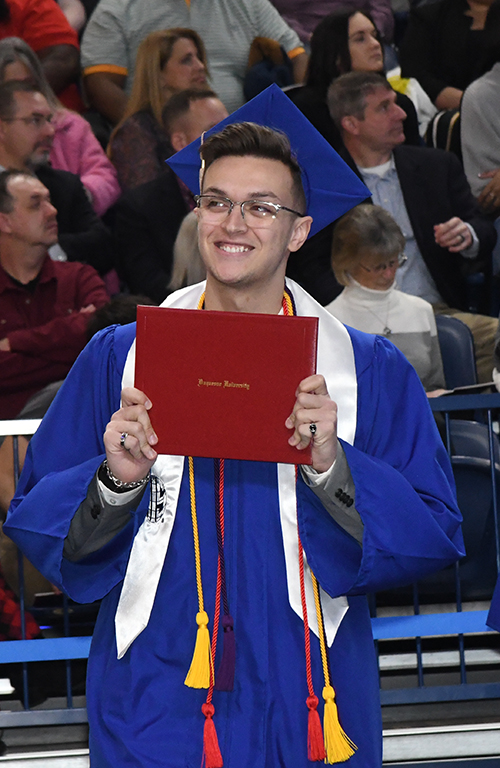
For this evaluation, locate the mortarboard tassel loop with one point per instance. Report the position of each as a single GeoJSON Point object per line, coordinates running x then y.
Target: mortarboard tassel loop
{"type": "Point", "coordinates": [338, 745]}
{"type": "Point", "coordinates": [224, 679]}
{"type": "Point", "coordinates": [315, 740]}
{"type": "Point", "coordinates": [213, 757]}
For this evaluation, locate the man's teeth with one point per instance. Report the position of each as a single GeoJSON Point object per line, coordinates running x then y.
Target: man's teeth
{"type": "Point", "coordinates": [234, 248]}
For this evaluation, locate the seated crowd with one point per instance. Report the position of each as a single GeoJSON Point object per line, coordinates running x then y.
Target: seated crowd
{"type": "Point", "coordinates": [90, 210]}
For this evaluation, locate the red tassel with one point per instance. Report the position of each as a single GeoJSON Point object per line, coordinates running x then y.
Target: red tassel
{"type": "Point", "coordinates": [213, 757]}
{"type": "Point", "coordinates": [315, 740]}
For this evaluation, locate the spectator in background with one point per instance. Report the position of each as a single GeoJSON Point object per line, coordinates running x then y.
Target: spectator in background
{"type": "Point", "coordinates": [74, 148]}
{"type": "Point", "coordinates": [116, 28]}
{"type": "Point", "coordinates": [427, 193]}
{"type": "Point", "coordinates": [148, 217]}
{"type": "Point", "coordinates": [480, 121]}
{"type": "Point", "coordinates": [44, 305]}
{"type": "Point", "coordinates": [345, 41]}
{"type": "Point", "coordinates": [442, 47]}
{"type": "Point", "coordinates": [168, 61]}
{"type": "Point", "coordinates": [43, 25]}
{"type": "Point", "coordinates": [26, 136]}
{"type": "Point", "coordinates": [367, 249]}
{"type": "Point", "coordinates": [304, 15]}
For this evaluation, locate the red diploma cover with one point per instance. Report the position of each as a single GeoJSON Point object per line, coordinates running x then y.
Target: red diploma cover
{"type": "Point", "coordinates": [222, 384]}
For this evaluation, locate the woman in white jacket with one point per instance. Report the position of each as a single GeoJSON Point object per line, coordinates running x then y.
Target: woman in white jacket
{"type": "Point", "coordinates": [367, 249]}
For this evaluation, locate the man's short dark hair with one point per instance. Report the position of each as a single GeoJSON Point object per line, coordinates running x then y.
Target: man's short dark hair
{"type": "Point", "coordinates": [347, 94]}
{"type": "Point", "coordinates": [7, 95]}
{"type": "Point", "coordinates": [6, 199]}
{"type": "Point", "coordinates": [179, 105]}
{"type": "Point", "coordinates": [241, 139]}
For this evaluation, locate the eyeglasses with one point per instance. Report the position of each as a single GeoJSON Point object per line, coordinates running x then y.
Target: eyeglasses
{"type": "Point", "coordinates": [37, 121]}
{"type": "Point", "coordinates": [260, 214]}
{"type": "Point", "coordinates": [392, 264]}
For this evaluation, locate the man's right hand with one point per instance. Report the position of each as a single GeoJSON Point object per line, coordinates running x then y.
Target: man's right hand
{"type": "Point", "coordinates": [132, 460]}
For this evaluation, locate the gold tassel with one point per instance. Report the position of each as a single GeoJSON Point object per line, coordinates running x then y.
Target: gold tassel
{"type": "Point", "coordinates": [199, 671]}
{"type": "Point", "coordinates": [338, 745]}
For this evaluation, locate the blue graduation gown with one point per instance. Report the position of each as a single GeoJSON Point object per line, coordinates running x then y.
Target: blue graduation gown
{"type": "Point", "coordinates": [141, 714]}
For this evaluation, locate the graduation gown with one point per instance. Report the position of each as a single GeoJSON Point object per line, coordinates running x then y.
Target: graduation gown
{"type": "Point", "coordinates": [140, 712]}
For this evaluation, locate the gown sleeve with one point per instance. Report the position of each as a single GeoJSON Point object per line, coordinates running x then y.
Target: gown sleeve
{"type": "Point", "coordinates": [405, 492]}
{"type": "Point", "coordinates": [62, 459]}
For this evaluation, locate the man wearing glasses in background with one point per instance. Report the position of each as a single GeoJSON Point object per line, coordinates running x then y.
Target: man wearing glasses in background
{"type": "Point", "coordinates": [26, 136]}
{"type": "Point", "coordinates": [427, 193]}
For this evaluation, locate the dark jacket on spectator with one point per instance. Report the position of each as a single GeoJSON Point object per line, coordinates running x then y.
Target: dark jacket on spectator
{"type": "Point", "coordinates": [435, 189]}
{"type": "Point", "coordinates": [146, 225]}
{"type": "Point", "coordinates": [82, 234]}
{"type": "Point", "coordinates": [439, 49]}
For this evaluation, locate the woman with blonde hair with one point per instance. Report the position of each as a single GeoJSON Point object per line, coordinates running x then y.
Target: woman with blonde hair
{"type": "Point", "coordinates": [168, 61]}
{"type": "Point", "coordinates": [367, 250]}
{"type": "Point", "coordinates": [75, 148]}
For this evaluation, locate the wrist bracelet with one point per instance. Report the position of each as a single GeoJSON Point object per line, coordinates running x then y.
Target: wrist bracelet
{"type": "Point", "coordinates": [120, 485]}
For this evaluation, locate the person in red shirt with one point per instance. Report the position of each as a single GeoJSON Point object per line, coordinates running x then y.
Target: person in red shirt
{"type": "Point", "coordinates": [44, 305]}
{"type": "Point", "coordinates": [43, 25]}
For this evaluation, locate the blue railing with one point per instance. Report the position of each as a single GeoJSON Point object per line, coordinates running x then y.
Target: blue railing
{"type": "Point", "coordinates": [481, 454]}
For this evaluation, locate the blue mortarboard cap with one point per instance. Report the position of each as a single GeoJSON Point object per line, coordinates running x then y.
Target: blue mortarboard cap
{"type": "Point", "coordinates": [331, 187]}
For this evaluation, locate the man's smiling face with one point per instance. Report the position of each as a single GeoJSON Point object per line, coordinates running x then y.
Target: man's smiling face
{"type": "Point", "coordinates": [240, 252]}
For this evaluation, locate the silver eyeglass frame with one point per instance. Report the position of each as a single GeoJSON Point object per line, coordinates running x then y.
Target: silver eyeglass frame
{"type": "Point", "coordinates": [277, 207]}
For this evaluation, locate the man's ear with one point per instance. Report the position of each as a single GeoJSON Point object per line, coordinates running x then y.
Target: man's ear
{"type": "Point", "coordinates": [2, 130]}
{"type": "Point", "coordinates": [5, 225]}
{"type": "Point", "coordinates": [349, 124]}
{"type": "Point", "coordinates": [178, 140]}
{"type": "Point", "coordinates": [300, 232]}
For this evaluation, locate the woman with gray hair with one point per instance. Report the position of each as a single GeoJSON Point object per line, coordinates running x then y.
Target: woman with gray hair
{"type": "Point", "coordinates": [367, 249]}
{"type": "Point", "coordinates": [75, 148]}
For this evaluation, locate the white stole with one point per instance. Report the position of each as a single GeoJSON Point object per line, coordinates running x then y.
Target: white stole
{"type": "Point", "coordinates": [336, 363]}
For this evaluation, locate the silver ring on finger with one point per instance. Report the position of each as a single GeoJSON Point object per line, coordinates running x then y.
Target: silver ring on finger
{"type": "Point", "coordinates": [462, 238]}
{"type": "Point", "coordinates": [313, 429]}
{"type": "Point", "coordinates": [123, 437]}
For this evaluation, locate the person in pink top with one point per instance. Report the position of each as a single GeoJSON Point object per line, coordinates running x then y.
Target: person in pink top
{"type": "Point", "coordinates": [75, 147]}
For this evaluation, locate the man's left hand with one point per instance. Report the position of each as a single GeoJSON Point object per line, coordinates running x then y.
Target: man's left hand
{"type": "Point", "coordinates": [314, 406]}
{"type": "Point", "coordinates": [454, 235]}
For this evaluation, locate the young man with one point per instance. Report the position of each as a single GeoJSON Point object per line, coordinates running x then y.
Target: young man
{"type": "Point", "coordinates": [376, 508]}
